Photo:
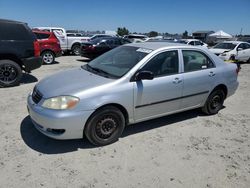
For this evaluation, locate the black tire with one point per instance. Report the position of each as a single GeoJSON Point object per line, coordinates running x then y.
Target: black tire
{"type": "Point", "coordinates": [232, 58]}
{"type": "Point", "coordinates": [76, 49]}
{"type": "Point", "coordinates": [10, 73]}
{"type": "Point", "coordinates": [48, 57]}
{"type": "Point", "coordinates": [214, 102]}
{"type": "Point", "coordinates": [105, 126]}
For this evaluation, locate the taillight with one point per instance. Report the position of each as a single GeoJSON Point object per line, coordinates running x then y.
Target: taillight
{"type": "Point", "coordinates": [91, 47]}
{"type": "Point", "coordinates": [36, 48]}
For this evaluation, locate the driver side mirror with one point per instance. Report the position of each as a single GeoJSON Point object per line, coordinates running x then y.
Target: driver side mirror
{"type": "Point", "coordinates": [144, 75]}
{"type": "Point", "coordinates": [239, 49]}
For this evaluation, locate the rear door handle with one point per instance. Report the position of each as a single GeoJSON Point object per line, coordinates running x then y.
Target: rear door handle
{"type": "Point", "coordinates": [177, 81]}
{"type": "Point", "coordinates": [211, 74]}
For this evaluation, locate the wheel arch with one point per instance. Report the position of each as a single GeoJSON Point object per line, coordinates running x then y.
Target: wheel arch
{"type": "Point", "coordinates": [12, 57]}
{"type": "Point", "coordinates": [223, 87]}
{"type": "Point", "coordinates": [119, 106]}
{"type": "Point", "coordinates": [75, 43]}
{"type": "Point", "coordinates": [48, 50]}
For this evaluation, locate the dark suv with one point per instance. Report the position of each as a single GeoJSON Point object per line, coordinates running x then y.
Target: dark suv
{"type": "Point", "coordinates": [19, 51]}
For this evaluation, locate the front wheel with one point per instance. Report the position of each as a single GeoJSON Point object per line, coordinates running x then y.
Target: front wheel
{"type": "Point", "coordinates": [214, 102]}
{"type": "Point", "coordinates": [105, 126]}
{"type": "Point", "coordinates": [10, 73]}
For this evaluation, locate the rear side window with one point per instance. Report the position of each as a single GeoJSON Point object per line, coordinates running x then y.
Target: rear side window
{"type": "Point", "coordinates": [42, 35]}
{"type": "Point", "coordinates": [13, 31]}
{"type": "Point", "coordinates": [195, 60]}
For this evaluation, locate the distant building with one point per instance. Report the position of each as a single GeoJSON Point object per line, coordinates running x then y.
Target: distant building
{"type": "Point", "coordinates": [202, 35]}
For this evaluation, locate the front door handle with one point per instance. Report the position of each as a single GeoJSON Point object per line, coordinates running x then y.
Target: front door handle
{"type": "Point", "coordinates": [211, 74]}
{"type": "Point", "coordinates": [177, 81]}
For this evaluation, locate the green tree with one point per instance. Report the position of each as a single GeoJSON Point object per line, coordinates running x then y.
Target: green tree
{"type": "Point", "coordinates": [153, 34]}
{"type": "Point", "coordinates": [185, 35]}
{"type": "Point", "coordinates": [122, 31]}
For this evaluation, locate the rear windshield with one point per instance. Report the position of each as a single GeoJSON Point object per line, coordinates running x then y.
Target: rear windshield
{"type": "Point", "coordinates": [15, 31]}
{"type": "Point", "coordinates": [228, 46]}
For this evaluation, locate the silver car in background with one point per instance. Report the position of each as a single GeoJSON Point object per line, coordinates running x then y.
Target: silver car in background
{"type": "Point", "coordinates": [130, 84]}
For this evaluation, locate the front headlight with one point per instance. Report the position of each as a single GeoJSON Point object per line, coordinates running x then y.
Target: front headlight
{"type": "Point", "coordinates": [61, 102]}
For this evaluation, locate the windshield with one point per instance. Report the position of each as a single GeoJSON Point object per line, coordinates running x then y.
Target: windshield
{"type": "Point", "coordinates": [117, 62]}
{"type": "Point", "coordinates": [228, 46]}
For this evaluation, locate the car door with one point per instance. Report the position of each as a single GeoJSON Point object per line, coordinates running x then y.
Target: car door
{"type": "Point", "coordinates": [154, 98]}
{"type": "Point", "coordinates": [199, 76]}
{"type": "Point", "coordinates": [244, 53]}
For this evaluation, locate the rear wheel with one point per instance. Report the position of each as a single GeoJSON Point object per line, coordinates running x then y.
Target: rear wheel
{"type": "Point", "coordinates": [76, 49]}
{"type": "Point", "coordinates": [48, 57]}
{"type": "Point", "coordinates": [10, 73]}
{"type": "Point", "coordinates": [214, 102]}
{"type": "Point", "coordinates": [105, 126]}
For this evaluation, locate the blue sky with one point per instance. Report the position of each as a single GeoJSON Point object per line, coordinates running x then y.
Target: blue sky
{"type": "Point", "coordinates": [172, 16]}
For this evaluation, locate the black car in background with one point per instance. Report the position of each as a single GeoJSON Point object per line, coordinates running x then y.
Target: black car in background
{"type": "Point", "coordinates": [19, 51]}
{"type": "Point", "coordinates": [96, 47]}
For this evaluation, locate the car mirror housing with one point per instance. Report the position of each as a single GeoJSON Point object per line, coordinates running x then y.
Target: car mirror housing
{"type": "Point", "coordinates": [239, 49]}
{"type": "Point", "coordinates": [144, 75]}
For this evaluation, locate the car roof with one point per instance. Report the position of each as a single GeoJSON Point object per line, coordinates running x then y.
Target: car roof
{"type": "Point", "coordinates": [48, 28]}
{"type": "Point", "coordinates": [189, 40]}
{"type": "Point", "coordinates": [11, 21]}
{"type": "Point", "coordinates": [158, 45]}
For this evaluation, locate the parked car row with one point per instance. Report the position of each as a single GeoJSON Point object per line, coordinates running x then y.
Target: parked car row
{"type": "Point", "coordinates": [67, 43]}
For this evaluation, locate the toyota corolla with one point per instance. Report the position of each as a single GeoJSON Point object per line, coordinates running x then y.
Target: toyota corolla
{"type": "Point", "coordinates": [130, 84]}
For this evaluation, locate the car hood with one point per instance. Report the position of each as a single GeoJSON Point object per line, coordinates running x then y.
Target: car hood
{"type": "Point", "coordinates": [218, 50]}
{"type": "Point", "coordinates": [70, 82]}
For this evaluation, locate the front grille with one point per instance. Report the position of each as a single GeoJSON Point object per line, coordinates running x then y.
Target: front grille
{"type": "Point", "coordinates": [36, 96]}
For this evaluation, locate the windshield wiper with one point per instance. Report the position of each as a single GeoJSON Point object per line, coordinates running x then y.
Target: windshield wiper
{"type": "Point", "coordinates": [97, 70]}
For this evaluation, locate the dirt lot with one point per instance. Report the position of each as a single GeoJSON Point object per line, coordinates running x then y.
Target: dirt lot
{"type": "Point", "coordinates": [183, 150]}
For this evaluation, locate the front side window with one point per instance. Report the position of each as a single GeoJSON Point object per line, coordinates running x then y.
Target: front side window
{"type": "Point", "coordinates": [198, 43]}
{"type": "Point", "coordinates": [195, 60]}
{"type": "Point", "coordinates": [191, 43]}
{"type": "Point", "coordinates": [163, 64]}
{"type": "Point", "coordinates": [247, 46]}
{"type": "Point", "coordinates": [241, 46]}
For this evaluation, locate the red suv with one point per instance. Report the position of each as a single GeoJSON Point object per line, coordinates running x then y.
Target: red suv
{"type": "Point", "coordinates": [49, 46]}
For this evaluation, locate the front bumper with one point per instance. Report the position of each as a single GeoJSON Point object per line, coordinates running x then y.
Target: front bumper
{"type": "Point", "coordinates": [224, 58]}
{"type": "Point", "coordinates": [32, 63]}
{"type": "Point", "coordinates": [58, 124]}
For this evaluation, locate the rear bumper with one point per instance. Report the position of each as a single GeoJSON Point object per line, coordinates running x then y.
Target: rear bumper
{"type": "Point", "coordinates": [32, 63]}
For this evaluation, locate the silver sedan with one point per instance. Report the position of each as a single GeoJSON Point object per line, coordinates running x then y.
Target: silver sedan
{"type": "Point", "coordinates": [130, 84]}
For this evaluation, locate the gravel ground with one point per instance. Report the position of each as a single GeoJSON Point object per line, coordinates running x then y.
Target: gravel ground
{"type": "Point", "coordinates": [182, 150]}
